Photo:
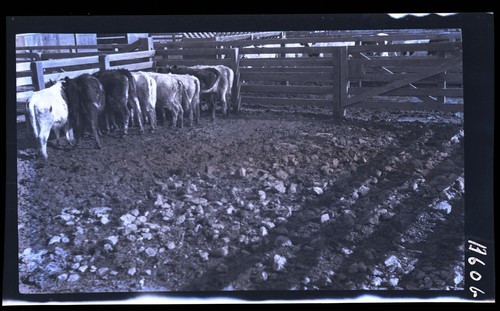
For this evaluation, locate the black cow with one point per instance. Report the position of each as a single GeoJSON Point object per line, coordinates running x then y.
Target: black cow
{"type": "Point", "coordinates": [86, 97]}
{"type": "Point", "coordinates": [121, 97]}
{"type": "Point", "coordinates": [210, 83]}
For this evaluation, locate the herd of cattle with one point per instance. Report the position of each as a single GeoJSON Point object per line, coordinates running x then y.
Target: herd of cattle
{"type": "Point", "coordinates": [98, 101]}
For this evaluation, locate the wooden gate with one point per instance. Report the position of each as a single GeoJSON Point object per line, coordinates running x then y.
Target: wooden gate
{"type": "Point", "coordinates": [386, 76]}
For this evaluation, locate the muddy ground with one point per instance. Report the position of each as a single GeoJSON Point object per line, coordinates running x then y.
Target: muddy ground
{"type": "Point", "coordinates": [269, 199]}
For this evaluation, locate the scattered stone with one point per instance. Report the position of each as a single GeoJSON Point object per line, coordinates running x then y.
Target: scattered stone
{"type": "Point", "coordinates": [151, 252]}
{"type": "Point", "coordinates": [127, 219]}
{"type": "Point", "coordinates": [443, 206]}
{"type": "Point", "coordinates": [132, 271]}
{"type": "Point", "coordinates": [198, 201]}
{"type": "Point", "coordinates": [268, 224]}
{"type": "Point", "coordinates": [141, 219]}
{"type": "Point", "coordinates": [262, 195]}
{"type": "Point", "coordinates": [230, 210]}
{"type": "Point", "coordinates": [108, 247]}
{"type": "Point", "coordinates": [75, 266]}
{"type": "Point", "coordinates": [392, 263]}
{"type": "Point", "coordinates": [279, 263]}
{"type": "Point", "coordinates": [242, 172]}
{"type": "Point", "coordinates": [147, 271]}
{"type": "Point", "coordinates": [73, 278]}
{"type": "Point", "coordinates": [104, 220]}
{"type": "Point", "coordinates": [279, 186]}
{"type": "Point", "coordinates": [263, 276]}
{"type": "Point", "coordinates": [203, 255]}
{"type": "Point", "coordinates": [181, 219]}
{"type": "Point", "coordinates": [346, 251]}
{"type": "Point", "coordinates": [66, 217]}
{"type": "Point", "coordinates": [376, 281]}
{"type": "Point", "coordinates": [263, 231]}
{"type": "Point", "coordinates": [130, 228]}
{"type": "Point", "coordinates": [363, 190]}
{"type": "Point", "coordinates": [282, 175]}
{"type": "Point", "coordinates": [318, 190]}
{"type": "Point", "coordinates": [102, 271]}
{"type": "Point", "coordinates": [62, 277]}
{"type": "Point", "coordinates": [171, 245]}
{"type": "Point", "coordinates": [113, 239]}
{"type": "Point", "coordinates": [393, 281]}
{"type": "Point", "coordinates": [325, 218]}
{"type": "Point", "coordinates": [282, 241]}
{"type": "Point", "coordinates": [55, 239]}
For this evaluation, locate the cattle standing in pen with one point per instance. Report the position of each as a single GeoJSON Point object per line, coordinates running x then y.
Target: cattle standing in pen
{"type": "Point", "coordinates": [191, 102]}
{"type": "Point", "coordinates": [146, 93]}
{"type": "Point", "coordinates": [209, 83]}
{"type": "Point", "coordinates": [86, 101]}
{"type": "Point", "coordinates": [121, 97]}
{"type": "Point", "coordinates": [169, 95]}
{"type": "Point", "coordinates": [48, 110]}
{"type": "Point", "coordinates": [227, 74]}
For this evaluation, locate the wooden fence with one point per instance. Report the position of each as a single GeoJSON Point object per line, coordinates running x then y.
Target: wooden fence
{"type": "Point", "coordinates": [32, 76]}
{"type": "Point", "coordinates": [358, 70]}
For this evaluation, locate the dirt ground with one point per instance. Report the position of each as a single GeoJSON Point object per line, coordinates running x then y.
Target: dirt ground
{"type": "Point", "coordinates": [270, 199]}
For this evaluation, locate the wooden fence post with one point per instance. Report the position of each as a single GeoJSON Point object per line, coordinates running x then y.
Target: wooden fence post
{"type": "Point", "coordinates": [236, 87]}
{"type": "Point", "coordinates": [37, 75]}
{"type": "Point", "coordinates": [340, 81]}
{"type": "Point", "coordinates": [104, 62]}
{"type": "Point", "coordinates": [146, 44]}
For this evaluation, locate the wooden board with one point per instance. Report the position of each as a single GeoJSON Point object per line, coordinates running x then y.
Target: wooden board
{"type": "Point", "coordinates": [23, 96]}
{"type": "Point", "coordinates": [24, 81]}
{"type": "Point", "coordinates": [287, 62]}
{"type": "Point", "coordinates": [448, 46]}
{"type": "Point", "coordinates": [54, 63]}
{"type": "Point", "coordinates": [380, 77]}
{"type": "Point", "coordinates": [291, 89]}
{"type": "Point", "coordinates": [285, 76]}
{"type": "Point", "coordinates": [408, 91]}
{"type": "Point", "coordinates": [196, 51]}
{"type": "Point", "coordinates": [136, 66]}
{"type": "Point", "coordinates": [410, 106]}
{"type": "Point", "coordinates": [290, 50]}
{"type": "Point", "coordinates": [24, 66]}
{"type": "Point", "coordinates": [193, 62]}
{"type": "Point", "coordinates": [131, 55]}
{"type": "Point", "coordinates": [69, 74]}
{"type": "Point", "coordinates": [397, 61]}
{"type": "Point", "coordinates": [286, 101]}
{"type": "Point", "coordinates": [285, 69]}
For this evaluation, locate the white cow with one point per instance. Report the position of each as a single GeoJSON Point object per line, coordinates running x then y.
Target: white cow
{"type": "Point", "coordinates": [191, 95]}
{"type": "Point", "coordinates": [146, 93]}
{"type": "Point", "coordinates": [48, 110]}
{"type": "Point", "coordinates": [169, 95]}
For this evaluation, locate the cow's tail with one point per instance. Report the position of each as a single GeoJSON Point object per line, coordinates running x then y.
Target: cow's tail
{"type": "Point", "coordinates": [216, 84]}
{"type": "Point", "coordinates": [183, 96]}
{"type": "Point", "coordinates": [32, 119]}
